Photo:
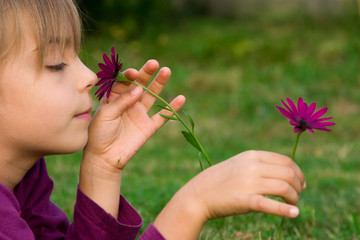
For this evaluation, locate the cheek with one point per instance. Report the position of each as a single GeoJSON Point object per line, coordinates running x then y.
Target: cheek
{"type": "Point", "coordinates": [55, 112]}
{"type": "Point", "coordinates": [54, 130]}
{"type": "Point", "coordinates": [54, 109]}
{"type": "Point", "coordinates": [46, 122]}
{"type": "Point", "coordinates": [50, 108]}
{"type": "Point", "coordinates": [42, 118]}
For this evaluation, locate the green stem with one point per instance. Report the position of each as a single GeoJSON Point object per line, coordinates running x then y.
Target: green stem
{"type": "Point", "coordinates": [295, 145]}
{"type": "Point", "coordinates": [293, 158]}
{"type": "Point", "coordinates": [177, 116]}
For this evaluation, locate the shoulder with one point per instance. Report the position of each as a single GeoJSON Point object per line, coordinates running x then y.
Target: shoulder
{"type": "Point", "coordinates": [12, 225]}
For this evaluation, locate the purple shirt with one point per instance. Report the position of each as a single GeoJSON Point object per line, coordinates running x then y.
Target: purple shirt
{"type": "Point", "coordinates": [27, 213]}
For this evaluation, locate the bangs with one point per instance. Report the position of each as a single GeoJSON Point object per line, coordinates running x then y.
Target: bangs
{"type": "Point", "coordinates": [54, 22]}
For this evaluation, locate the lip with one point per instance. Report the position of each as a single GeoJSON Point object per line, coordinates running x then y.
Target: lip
{"type": "Point", "coordinates": [84, 115]}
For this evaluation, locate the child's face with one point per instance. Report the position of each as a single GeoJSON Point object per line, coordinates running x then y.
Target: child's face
{"type": "Point", "coordinates": [45, 111]}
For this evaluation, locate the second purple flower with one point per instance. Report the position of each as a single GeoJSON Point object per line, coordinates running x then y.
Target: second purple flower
{"type": "Point", "coordinates": [304, 117]}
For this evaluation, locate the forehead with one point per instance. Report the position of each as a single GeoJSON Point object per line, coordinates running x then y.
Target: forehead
{"type": "Point", "coordinates": [32, 45]}
{"type": "Point", "coordinates": [28, 26]}
{"type": "Point", "coordinates": [47, 24]}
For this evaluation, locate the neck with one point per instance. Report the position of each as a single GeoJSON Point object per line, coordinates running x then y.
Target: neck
{"type": "Point", "coordinates": [14, 165]}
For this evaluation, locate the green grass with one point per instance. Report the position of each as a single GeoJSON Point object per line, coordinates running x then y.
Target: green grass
{"type": "Point", "coordinates": [233, 72]}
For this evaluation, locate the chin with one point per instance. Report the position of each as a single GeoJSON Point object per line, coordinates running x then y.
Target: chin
{"type": "Point", "coordinates": [79, 145]}
{"type": "Point", "coordinates": [75, 149]}
{"type": "Point", "coordinates": [73, 146]}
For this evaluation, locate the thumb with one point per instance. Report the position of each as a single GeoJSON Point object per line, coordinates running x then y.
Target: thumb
{"type": "Point", "coordinates": [115, 108]}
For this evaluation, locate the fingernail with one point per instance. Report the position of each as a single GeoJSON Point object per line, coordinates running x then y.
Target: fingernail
{"type": "Point", "coordinates": [294, 212]}
{"type": "Point", "coordinates": [136, 90]}
{"type": "Point", "coordinates": [304, 186]}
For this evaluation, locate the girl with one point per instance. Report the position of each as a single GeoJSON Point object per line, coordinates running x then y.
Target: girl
{"type": "Point", "coordinates": [45, 109]}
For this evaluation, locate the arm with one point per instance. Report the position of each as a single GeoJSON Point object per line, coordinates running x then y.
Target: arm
{"type": "Point", "coordinates": [92, 222]}
{"type": "Point", "coordinates": [118, 130]}
{"type": "Point", "coordinates": [29, 214]}
{"type": "Point", "coordinates": [236, 186]}
{"type": "Point", "coordinates": [12, 226]}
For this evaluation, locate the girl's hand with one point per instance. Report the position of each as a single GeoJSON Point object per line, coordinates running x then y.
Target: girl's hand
{"type": "Point", "coordinates": [238, 185]}
{"type": "Point", "coordinates": [118, 130]}
{"type": "Point", "coordinates": [121, 125]}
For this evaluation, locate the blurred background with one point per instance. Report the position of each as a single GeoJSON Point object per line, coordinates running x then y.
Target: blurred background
{"type": "Point", "coordinates": [234, 60]}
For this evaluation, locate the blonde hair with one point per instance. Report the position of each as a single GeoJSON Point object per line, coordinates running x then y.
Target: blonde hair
{"type": "Point", "coordinates": [51, 21]}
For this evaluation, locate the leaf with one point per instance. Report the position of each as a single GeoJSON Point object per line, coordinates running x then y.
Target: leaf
{"type": "Point", "coordinates": [162, 107]}
{"type": "Point", "coordinates": [169, 117]}
{"type": "Point", "coordinates": [190, 138]}
{"type": "Point", "coordinates": [201, 165]}
{"type": "Point", "coordinates": [190, 119]}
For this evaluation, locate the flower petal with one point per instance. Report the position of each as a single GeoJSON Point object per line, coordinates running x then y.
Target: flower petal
{"type": "Point", "coordinates": [113, 56]}
{"type": "Point", "coordinates": [287, 107]}
{"type": "Point", "coordinates": [103, 74]}
{"type": "Point", "coordinates": [323, 124]}
{"type": "Point", "coordinates": [302, 108]}
{"type": "Point", "coordinates": [293, 108]}
{"type": "Point", "coordinates": [294, 123]}
{"type": "Point", "coordinates": [105, 67]}
{"type": "Point", "coordinates": [323, 129]}
{"type": "Point", "coordinates": [310, 111]}
{"type": "Point", "coordinates": [103, 81]}
{"type": "Point", "coordinates": [298, 129]}
{"type": "Point", "coordinates": [318, 114]}
{"type": "Point", "coordinates": [320, 120]}
{"type": "Point", "coordinates": [108, 91]}
{"type": "Point", "coordinates": [100, 92]}
{"type": "Point", "coordinates": [285, 113]}
{"type": "Point", "coordinates": [108, 61]}
{"type": "Point", "coordinates": [310, 130]}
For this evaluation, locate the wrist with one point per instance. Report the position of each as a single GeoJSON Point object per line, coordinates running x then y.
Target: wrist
{"type": "Point", "coordinates": [184, 209]}
{"type": "Point", "coordinates": [101, 183]}
{"type": "Point", "coordinates": [100, 164]}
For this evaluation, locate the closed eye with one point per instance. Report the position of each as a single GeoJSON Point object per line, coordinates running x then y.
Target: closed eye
{"type": "Point", "coordinates": [57, 68]}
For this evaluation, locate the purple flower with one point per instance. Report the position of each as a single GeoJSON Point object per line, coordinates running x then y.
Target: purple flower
{"type": "Point", "coordinates": [108, 74]}
{"type": "Point", "coordinates": [304, 117]}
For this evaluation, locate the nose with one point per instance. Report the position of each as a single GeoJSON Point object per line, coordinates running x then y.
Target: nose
{"type": "Point", "coordinates": [87, 78]}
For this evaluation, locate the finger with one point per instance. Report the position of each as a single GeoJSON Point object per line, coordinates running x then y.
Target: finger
{"type": "Point", "coordinates": [282, 173]}
{"type": "Point", "coordinates": [117, 89]}
{"type": "Point", "coordinates": [143, 77]}
{"type": "Point", "coordinates": [176, 104]}
{"type": "Point", "coordinates": [156, 87]}
{"type": "Point", "coordinates": [147, 72]}
{"type": "Point", "coordinates": [114, 109]}
{"type": "Point", "coordinates": [121, 87]}
{"type": "Point", "coordinates": [131, 74]}
{"type": "Point", "coordinates": [276, 158]}
{"type": "Point", "coordinates": [278, 188]}
{"type": "Point", "coordinates": [270, 206]}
